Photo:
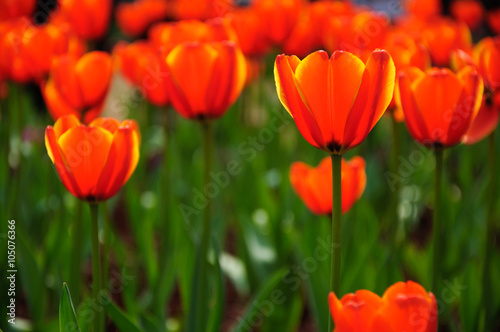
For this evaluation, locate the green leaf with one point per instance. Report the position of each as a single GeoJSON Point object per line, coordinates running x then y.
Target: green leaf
{"type": "Point", "coordinates": [67, 315]}
{"type": "Point", "coordinates": [122, 322]}
{"type": "Point", "coordinates": [216, 313]}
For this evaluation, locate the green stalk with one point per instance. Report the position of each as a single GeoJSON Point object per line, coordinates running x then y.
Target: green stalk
{"type": "Point", "coordinates": [98, 322]}
{"type": "Point", "coordinates": [437, 220]}
{"type": "Point", "coordinates": [490, 231]}
{"type": "Point", "coordinates": [336, 239]}
{"type": "Point", "coordinates": [105, 249]}
{"type": "Point", "coordinates": [75, 277]}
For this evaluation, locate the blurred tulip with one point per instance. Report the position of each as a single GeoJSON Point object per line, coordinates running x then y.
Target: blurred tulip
{"type": "Point", "coordinates": [471, 12]}
{"type": "Point", "coordinates": [423, 9]}
{"type": "Point", "coordinates": [493, 18]}
{"type": "Point", "coordinates": [141, 65]}
{"type": "Point", "coordinates": [165, 36]}
{"type": "Point", "coordinates": [205, 78]}
{"type": "Point", "coordinates": [94, 161]}
{"type": "Point", "coordinates": [89, 18]}
{"type": "Point", "coordinates": [200, 9]}
{"type": "Point", "coordinates": [250, 31]}
{"type": "Point", "coordinates": [305, 37]}
{"type": "Point", "coordinates": [442, 36]}
{"type": "Point", "coordinates": [314, 185]}
{"type": "Point", "coordinates": [27, 50]}
{"type": "Point", "coordinates": [403, 307]}
{"type": "Point", "coordinates": [487, 56]}
{"type": "Point", "coordinates": [335, 102]}
{"type": "Point", "coordinates": [78, 86]}
{"type": "Point", "coordinates": [280, 16]}
{"type": "Point", "coordinates": [134, 18]}
{"type": "Point", "coordinates": [16, 8]}
{"type": "Point", "coordinates": [439, 106]}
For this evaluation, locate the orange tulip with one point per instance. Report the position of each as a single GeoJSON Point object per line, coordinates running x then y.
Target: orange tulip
{"type": "Point", "coordinates": [439, 106]}
{"type": "Point", "coordinates": [94, 161]}
{"type": "Point", "coordinates": [135, 17]}
{"type": "Point", "coordinates": [280, 16]}
{"type": "Point", "coordinates": [423, 9]}
{"type": "Point", "coordinates": [487, 55]}
{"type": "Point", "coordinates": [205, 78]}
{"type": "Point", "coordinates": [314, 185]}
{"type": "Point", "coordinates": [141, 65]}
{"type": "Point", "coordinates": [165, 36]}
{"type": "Point", "coordinates": [78, 86]}
{"type": "Point", "coordinates": [89, 18]}
{"type": "Point", "coordinates": [305, 37]}
{"type": "Point", "coordinates": [335, 102]}
{"type": "Point", "coordinates": [442, 36]}
{"type": "Point", "coordinates": [200, 9]}
{"type": "Point", "coordinates": [471, 12]}
{"type": "Point", "coordinates": [250, 31]}
{"type": "Point", "coordinates": [16, 8]}
{"type": "Point", "coordinates": [403, 307]}
{"type": "Point", "coordinates": [27, 51]}
{"type": "Point", "coordinates": [493, 18]}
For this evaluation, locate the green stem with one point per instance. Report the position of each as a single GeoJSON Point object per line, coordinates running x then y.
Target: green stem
{"type": "Point", "coordinates": [76, 255]}
{"type": "Point", "coordinates": [437, 220]}
{"type": "Point", "coordinates": [490, 231]}
{"type": "Point", "coordinates": [336, 239]}
{"type": "Point", "coordinates": [98, 322]}
{"type": "Point", "coordinates": [105, 249]}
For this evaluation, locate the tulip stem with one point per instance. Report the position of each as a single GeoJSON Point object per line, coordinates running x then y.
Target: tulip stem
{"type": "Point", "coordinates": [75, 279]}
{"type": "Point", "coordinates": [437, 220]}
{"type": "Point", "coordinates": [336, 239]}
{"type": "Point", "coordinates": [98, 322]}
{"type": "Point", "coordinates": [490, 235]}
{"type": "Point", "coordinates": [106, 220]}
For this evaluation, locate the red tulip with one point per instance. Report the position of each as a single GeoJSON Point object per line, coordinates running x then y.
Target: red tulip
{"type": "Point", "coordinates": [493, 18]}
{"type": "Point", "coordinates": [89, 18]}
{"type": "Point", "coordinates": [200, 9]}
{"type": "Point", "coordinates": [205, 78]}
{"type": "Point", "coordinates": [471, 12]}
{"type": "Point", "coordinates": [16, 8]}
{"type": "Point", "coordinates": [335, 102]}
{"type": "Point", "coordinates": [250, 31]}
{"type": "Point", "coordinates": [439, 106]}
{"type": "Point", "coordinates": [314, 185]}
{"type": "Point", "coordinates": [78, 86]}
{"type": "Point", "coordinates": [404, 307]}
{"type": "Point", "coordinates": [134, 18]}
{"type": "Point", "coordinates": [94, 161]}
{"type": "Point", "coordinates": [423, 9]}
{"type": "Point", "coordinates": [27, 51]}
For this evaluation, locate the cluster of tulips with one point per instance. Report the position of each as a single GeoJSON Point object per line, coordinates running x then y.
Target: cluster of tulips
{"type": "Point", "coordinates": [197, 56]}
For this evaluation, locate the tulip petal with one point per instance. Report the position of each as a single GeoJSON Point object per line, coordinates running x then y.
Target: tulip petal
{"type": "Point", "coordinates": [67, 82]}
{"type": "Point", "coordinates": [56, 104]}
{"type": "Point", "coordinates": [110, 124]}
{"type": "Point", "coordinates": [94, 71]}
{"type": "Point", "coordinates": [65, 123]}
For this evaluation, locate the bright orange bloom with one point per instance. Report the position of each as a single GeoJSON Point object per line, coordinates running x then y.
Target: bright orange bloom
{"type": "Point", "coordinates": [134, 18]}
{"type": "Point", "coordinates": [487, 55]}
{"type": "Point", "coordinates": [16, 8]}
{"type": "Point", "coordinates": [141, 65]}
{"type": "Point", "coordinates": [280, 16]}
{"type": "Point", "coordinates": [314, 185]}
{"type": "Point", "coordinates": [442, 36]}
{"type": "Point", "coordinates": [166, 35]}
{"type": "Point", "coordinates": [439, 105]}
{"type": "Point", "coordinates": [250, 31]}
{"type": "Point", "coordinates": [403, 307]}
{"type": "Point", "coordinates": [89, 18]}
{"type": "Point", "coordinates": [200, 9]}
{"type": "Point", "coordinates": [27, 50]}
{"type": "Point", "coordinates": [94, 161]}
{"type": "Point", "coordinates": [335, 102]}
{"type": "Point", "coordinates": [78, 86]}
{"type": "Point", "coordinates": [205, 78]}
{"type": "Point", "coordinates": [493, 18]}
{"type": "Point", "coordinates": [305, 37]}
{"type": "Point", "coordinates": [423, 9]}
{"type": "Point", "coordinates": [471, 12]}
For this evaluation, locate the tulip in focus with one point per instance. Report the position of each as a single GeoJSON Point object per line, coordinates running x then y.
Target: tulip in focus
{"type": "Point", "coordinates": [403, 307]}
{"type": "Point", "coordinates": [78, 86]}
{"type": "Point", "coordinates": [134, 18]}
{"type": "Point", "coordinates": [205, 79]}
{"type": "Point", "coordinates": [94, 161]}
{"type": "Point", "coordinates": [314, 184]}
{"type": "Point", "coordinates": [335, 102]}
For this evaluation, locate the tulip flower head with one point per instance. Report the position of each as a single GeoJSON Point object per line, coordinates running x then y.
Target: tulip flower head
{"type": "Point", "coordinates": [314, 184]}
{"type": "Point", "coordinates": [471, 12]}
{"type": "Point", "coordinates": [439, 105]}
{"type": "Point", "coordinates": [205, 79]}
{"type": "Point", "coordinates": [335, 102]}
{"type": "Point", "coordinates": [16, 8]}
{"type": "Point", "coordinates": [403, 307]}
{"type": "Point", "coordinates": [94, 161]}
{"type": "Point", "coordinates": [78, 86]}
{"type": "Point", "coordinates": [134, 18]}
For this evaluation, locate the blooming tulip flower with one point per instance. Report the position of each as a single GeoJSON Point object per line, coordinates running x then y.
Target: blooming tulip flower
{"type": "Point", "coordinates": [250, 31]}
{"type": "Point", "coordinates": [16, 8]}
{"type": "Point", "coordinates": [471, 12]}
{"type": "Point", "coordinates": [314, 185]}
{"type": "Point", "coordinates": [205, 78]}
{"type": "Point", "coordinates": [403, 307]}
{"type": "Point", "coordinates": [89, 18]}
{"type": "Point", "coordinates": [335, 102]}
{"type": "Point", "coordinates": [94, 161]}
{"type": "Point", "coordinates": [439, 106]}
{"type": "Point", "coordinates": [78, 86]}
{"type": "Point", "coordinates": [135, 17]}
